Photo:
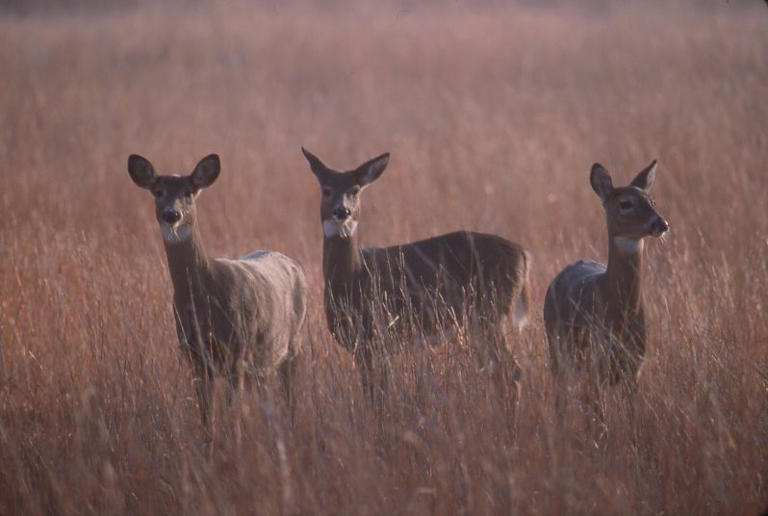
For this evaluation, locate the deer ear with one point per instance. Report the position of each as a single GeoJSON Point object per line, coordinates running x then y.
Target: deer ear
{"type": "Point", "coordinates": [141, 170]}
{"type": "Point", "coordinates": [206, 171]}
{"type": "Point", "coordinates": [317, 166]}
{"type": "Point", "coordinates": [370, 171]}
{"type": "Point", "coordinates": [601, 182]}
{"type": "Point", "coordinates": [644, 179]}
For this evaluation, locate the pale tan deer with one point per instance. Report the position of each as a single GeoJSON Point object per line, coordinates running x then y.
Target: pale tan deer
{"type": "Point", "coordinates": [429, 284]}
{"type": "Point", "coordinates": [593, 313]}
{"type": "Point", "coordinates": [240, 318]}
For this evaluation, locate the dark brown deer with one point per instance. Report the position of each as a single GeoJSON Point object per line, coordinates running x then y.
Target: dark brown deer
{"type": "Point", "coordinates": [594, 313]}
{"type": "Point", "coordinates": [429, 285]}
{"type": "Point", "coordinates": [240, 318]}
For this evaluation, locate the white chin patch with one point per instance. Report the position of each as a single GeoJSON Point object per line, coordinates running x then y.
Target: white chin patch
{"type": "Point", "coordinates": [333, 227]}
{"type": "Point", "coordinates": [174, 234]}
{"type": "Point", "coordinates": [628, 245]}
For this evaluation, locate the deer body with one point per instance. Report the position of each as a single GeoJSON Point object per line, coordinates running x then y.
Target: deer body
{"type": "Point", "coordinates": [590, 327]}
{"type": "Point", "coordinates": [246, 309]}
{"type": "Point", "coordinates": [421, 279]}
{"type": "Point", "coordinates": [593, 313]}
{"type": "Point", "coordinates": [427, 285]}
{"type": "Point", "coordinates": [240, 318]}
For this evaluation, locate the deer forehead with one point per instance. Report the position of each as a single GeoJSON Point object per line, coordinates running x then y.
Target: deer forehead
{"type": "Point", "coordinates": [339, 180]}
{"type": "Point", "coordinates": [628, 193]}
{"type": "Point", "coordinates": [174, 186]}
{"type": "Point", "coordinates": [172, 180]}
{"type": "Point", "coordinates": [340, 189]}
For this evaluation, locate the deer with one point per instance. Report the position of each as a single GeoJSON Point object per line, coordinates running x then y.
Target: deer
{"type": "Point", "coordinates": [593, 313]}
{"type": "Point", "coordinates": [428, 284]}
{"type": "Point", "coordinates": [239, 318]}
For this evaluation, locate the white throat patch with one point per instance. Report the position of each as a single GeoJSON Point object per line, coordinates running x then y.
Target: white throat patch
{"type": "Point", "coordinates": [175, 235]}
{"type": "Point", "coordinates": [628, 245]}
{"type": "Point", "coordinates": [333, 227]}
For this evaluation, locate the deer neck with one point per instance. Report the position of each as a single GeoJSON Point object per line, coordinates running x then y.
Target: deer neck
{"type": "Point", "coordinates": [188, 264]}
{"type": "Point", "coordinates": [342, 262]}
{"type": "Point", "coordinates": [622, 278]}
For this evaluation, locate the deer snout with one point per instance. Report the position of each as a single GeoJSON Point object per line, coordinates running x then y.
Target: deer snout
{"type": "Point", "coordinates": [171, 216]}
{"type": "Point", "coordinates": [659, 227]}
{"type": "Point", "coordinates": [341, 213]}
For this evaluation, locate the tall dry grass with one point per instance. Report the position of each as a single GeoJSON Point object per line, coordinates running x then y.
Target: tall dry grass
{"type": "Point", "coordinates": [493, 116]}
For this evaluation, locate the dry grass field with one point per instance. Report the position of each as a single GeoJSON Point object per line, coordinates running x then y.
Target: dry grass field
{"type": "Point", "coordinates": [493, 115]}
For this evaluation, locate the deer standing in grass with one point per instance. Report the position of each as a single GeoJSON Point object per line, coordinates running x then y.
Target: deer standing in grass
{"type": "Point", "coordinates": [240, 318]}
{"type": "Point", "coordinates": [593, 313]}
{"type": "Point", "coordinates": [428, 285]}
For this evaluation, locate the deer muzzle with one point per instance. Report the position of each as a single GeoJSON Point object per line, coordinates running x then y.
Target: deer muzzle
{"type": "Point", "coordinates": [659, 227]}
{"type": "Point", "coordinates": [171, 216]}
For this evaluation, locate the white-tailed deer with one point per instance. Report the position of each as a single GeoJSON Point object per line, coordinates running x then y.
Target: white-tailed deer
{"type": "Point", "coordinates": [240, 318]}
{"type": "Point", "coordinates": [594, 313]}
{"type": "Point", "coordinates": [429, 284]}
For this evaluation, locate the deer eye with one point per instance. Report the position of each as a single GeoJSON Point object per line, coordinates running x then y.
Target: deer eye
{"type": "Point", "coordinates": [352, 192]}
{"type": "Point", "coordinates": [327, 192]}
{"type": "Point", "coordinates": [158, 192]}
{"type": "Point", "coordinates": [625, 205]}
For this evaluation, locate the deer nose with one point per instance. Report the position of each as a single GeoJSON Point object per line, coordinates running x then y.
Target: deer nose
{"type": "Point", "coordinates": [660, 226]}
{"type": "Point", "coordinates": [171, 216]}
{"type": "Point", "coordinates": [341, 213]}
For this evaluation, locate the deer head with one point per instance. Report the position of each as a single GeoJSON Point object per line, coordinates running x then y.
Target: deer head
{"type": "Point", "coordinates": [340, 193]}
{"type": "Point", "coordinates": [629, 210]}
{"type": "Point", "coordinates": [174, 195]}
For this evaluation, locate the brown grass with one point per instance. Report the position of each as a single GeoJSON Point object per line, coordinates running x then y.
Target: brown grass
{"type": "Point", "coordinates": [493, 116]}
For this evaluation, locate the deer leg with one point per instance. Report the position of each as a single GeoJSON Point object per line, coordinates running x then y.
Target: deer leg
{"type": "Point", "coordinates": [204, 389]}
{"type": "Point", "coordinates": [235, 391]}
{"type": "Point", "coordinates": [560, 380]}
{"type": "Point", "coordinates": [495, 344]}
{"type": "Point", "coordinates": [204, 385]}
{"type": "Point", "coordinates": [505, 369]}
{"type": "Point", "coordinates": [236, 380]}
{"type": "Point", "coordinates": [287, 372]}
{"type": "Point", "coordinates": [364, 362]}
{"type": "Point", "coordinates": [382, 371]}
{"type": "Point", "coordinates": [630, 387]}
{"type": "Point", "coordinates": [593, 410]}
{"type": "Point", "coordinates": [560, 386]}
